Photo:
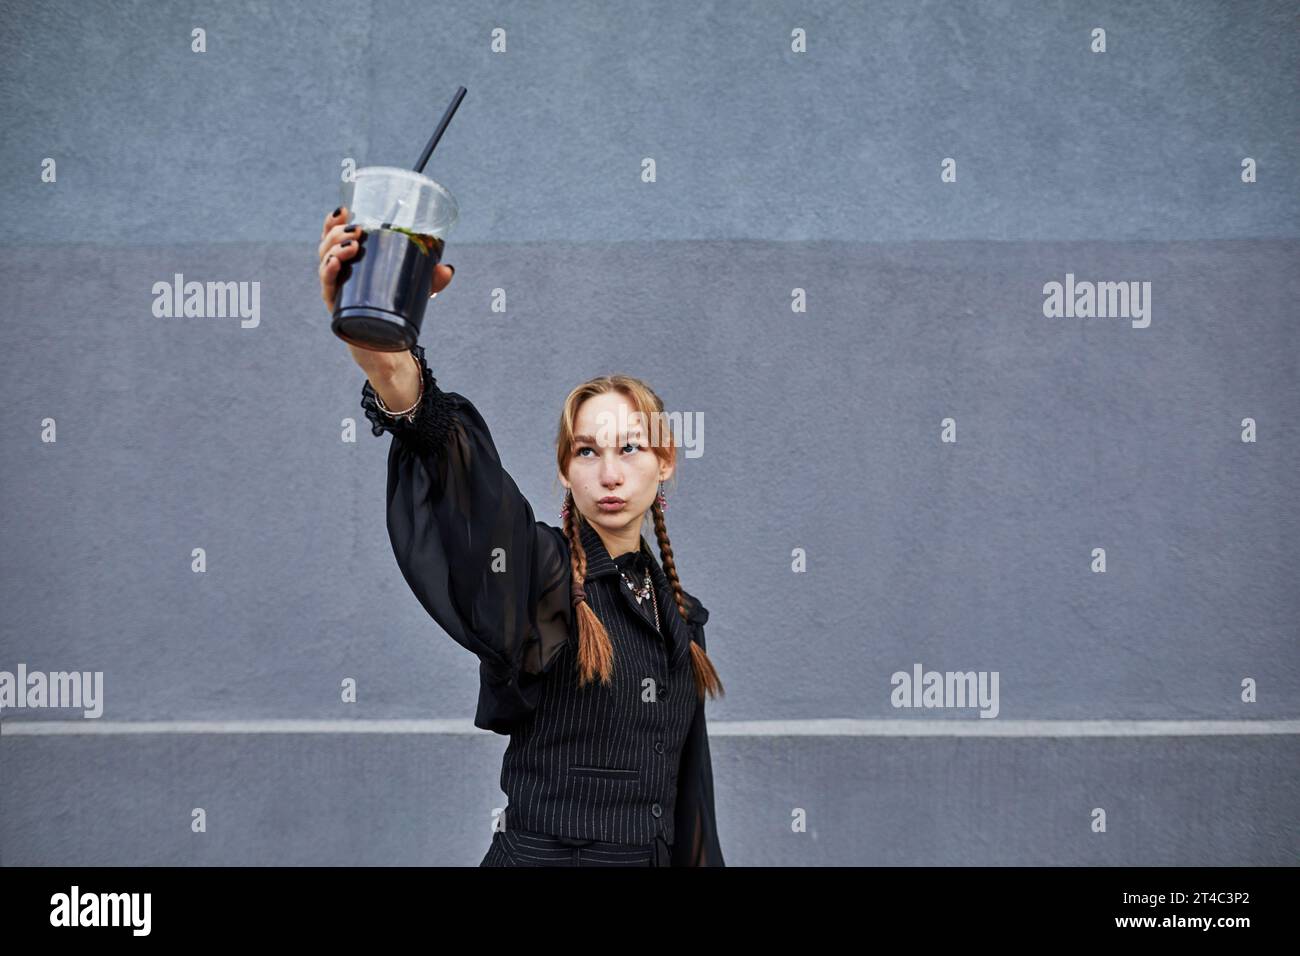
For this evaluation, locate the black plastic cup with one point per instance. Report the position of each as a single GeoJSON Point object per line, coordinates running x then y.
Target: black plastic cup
{"type": "Point", "coordinates": [384, 289]}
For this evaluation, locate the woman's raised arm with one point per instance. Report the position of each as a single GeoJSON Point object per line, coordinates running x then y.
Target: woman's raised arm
{"type": "Point", "coordinates": [466, 540]}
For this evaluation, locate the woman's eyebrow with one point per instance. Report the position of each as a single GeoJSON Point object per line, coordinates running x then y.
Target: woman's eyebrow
{"type": "Point", "coordinates": [635, 433]}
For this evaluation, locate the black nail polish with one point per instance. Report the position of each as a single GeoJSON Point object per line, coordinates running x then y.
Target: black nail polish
{"type": "Point", "coordinates": [336, 211]}
{"type": "Point", "coordinates": [351, 228]}
{"type": "Point", "coordinates": [453, 269]}
{"type": "Point", "coordinates": [346, 244]}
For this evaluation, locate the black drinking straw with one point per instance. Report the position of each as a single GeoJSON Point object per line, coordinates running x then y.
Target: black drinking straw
{"type": "Point", "coordinates": [442, 125]}
{"type": "Point", "coordinates": [433, 140]}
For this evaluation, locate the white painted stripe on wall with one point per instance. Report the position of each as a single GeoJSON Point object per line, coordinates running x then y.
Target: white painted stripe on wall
{"type": "Point", "coordinates": [828, 727]}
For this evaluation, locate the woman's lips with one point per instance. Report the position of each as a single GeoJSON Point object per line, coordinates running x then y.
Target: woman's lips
{"type": "Point", "coordinates": [612, 505]}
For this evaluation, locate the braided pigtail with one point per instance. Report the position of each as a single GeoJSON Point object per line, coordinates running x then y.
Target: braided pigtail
{"type": "Point", "coordinates": [595, 649]}
{"type": "Point", "coordinates": [706, 676]}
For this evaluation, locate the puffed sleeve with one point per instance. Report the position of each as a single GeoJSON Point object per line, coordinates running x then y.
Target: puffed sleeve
{"type": "Point", "coordinates": [467, 543]}
{"type": "Point", "coordinates": [695, 823]}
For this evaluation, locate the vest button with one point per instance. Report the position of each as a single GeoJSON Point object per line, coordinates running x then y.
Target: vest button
{"type": "Point", "coordinates": [656, 809]}
{"type": "Point", "coordinates": [659, 746]}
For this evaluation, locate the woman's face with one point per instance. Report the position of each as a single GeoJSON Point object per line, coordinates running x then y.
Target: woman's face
{"type": "Point", "coordinates": [611, 457]}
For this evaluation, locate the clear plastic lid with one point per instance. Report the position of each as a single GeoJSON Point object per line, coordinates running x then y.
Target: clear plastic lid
{"type": "Point", "coordinates": [392, 197]}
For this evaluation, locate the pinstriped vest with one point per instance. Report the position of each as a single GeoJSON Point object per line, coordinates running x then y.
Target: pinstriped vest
{"type": "Point", "coordinates": [601, 762]}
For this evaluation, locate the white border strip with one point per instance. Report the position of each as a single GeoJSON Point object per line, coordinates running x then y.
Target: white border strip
{"type": "Point", "coordinates": [829, 727]}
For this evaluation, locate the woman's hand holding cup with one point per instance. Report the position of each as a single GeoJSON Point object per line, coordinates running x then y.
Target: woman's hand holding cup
{"type": "Point", "coordinates": [340, 242]}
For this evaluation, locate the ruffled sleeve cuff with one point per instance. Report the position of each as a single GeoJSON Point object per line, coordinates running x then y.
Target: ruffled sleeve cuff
{"type": "Point", "coordinates": [428, 426]}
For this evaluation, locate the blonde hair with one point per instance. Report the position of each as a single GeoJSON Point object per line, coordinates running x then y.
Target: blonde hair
{"type": "Point", "coordinates": [595, 650]}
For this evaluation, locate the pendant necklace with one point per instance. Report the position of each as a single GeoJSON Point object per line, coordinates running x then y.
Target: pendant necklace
{"type": "Point", "coordinates": [645, 591]}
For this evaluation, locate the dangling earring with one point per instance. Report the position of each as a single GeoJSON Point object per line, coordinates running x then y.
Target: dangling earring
{"type": "Point", "coordinates": [663, 502]}
{"type": "Point", "coordinates": [564, 512]}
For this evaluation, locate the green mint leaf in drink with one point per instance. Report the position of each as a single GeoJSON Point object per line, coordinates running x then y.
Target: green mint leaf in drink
{"type": "Point", "coordinates": [425, 242]}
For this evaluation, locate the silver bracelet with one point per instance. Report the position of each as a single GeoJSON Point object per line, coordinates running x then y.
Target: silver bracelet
{"type": "Point", "coordinates": [408, 414]}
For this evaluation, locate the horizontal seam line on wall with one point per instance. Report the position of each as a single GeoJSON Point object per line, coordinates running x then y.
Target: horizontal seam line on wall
{"type": "Point", "coordinates": [817, 727]}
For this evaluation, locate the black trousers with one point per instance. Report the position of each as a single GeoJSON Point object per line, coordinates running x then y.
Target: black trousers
{"type": "Point", "coordinates": [525, 848]}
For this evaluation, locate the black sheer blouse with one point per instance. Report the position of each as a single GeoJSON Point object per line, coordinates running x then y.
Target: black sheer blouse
{"type": "Point", "coordinates": [497, 580]}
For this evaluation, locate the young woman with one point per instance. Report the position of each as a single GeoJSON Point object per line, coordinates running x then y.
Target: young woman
{"type": "Point", "coordinates": [591, 654]}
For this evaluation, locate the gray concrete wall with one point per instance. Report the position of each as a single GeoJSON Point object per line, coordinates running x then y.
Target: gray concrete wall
{"type": "Point", "coordinates": [776, 171]}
